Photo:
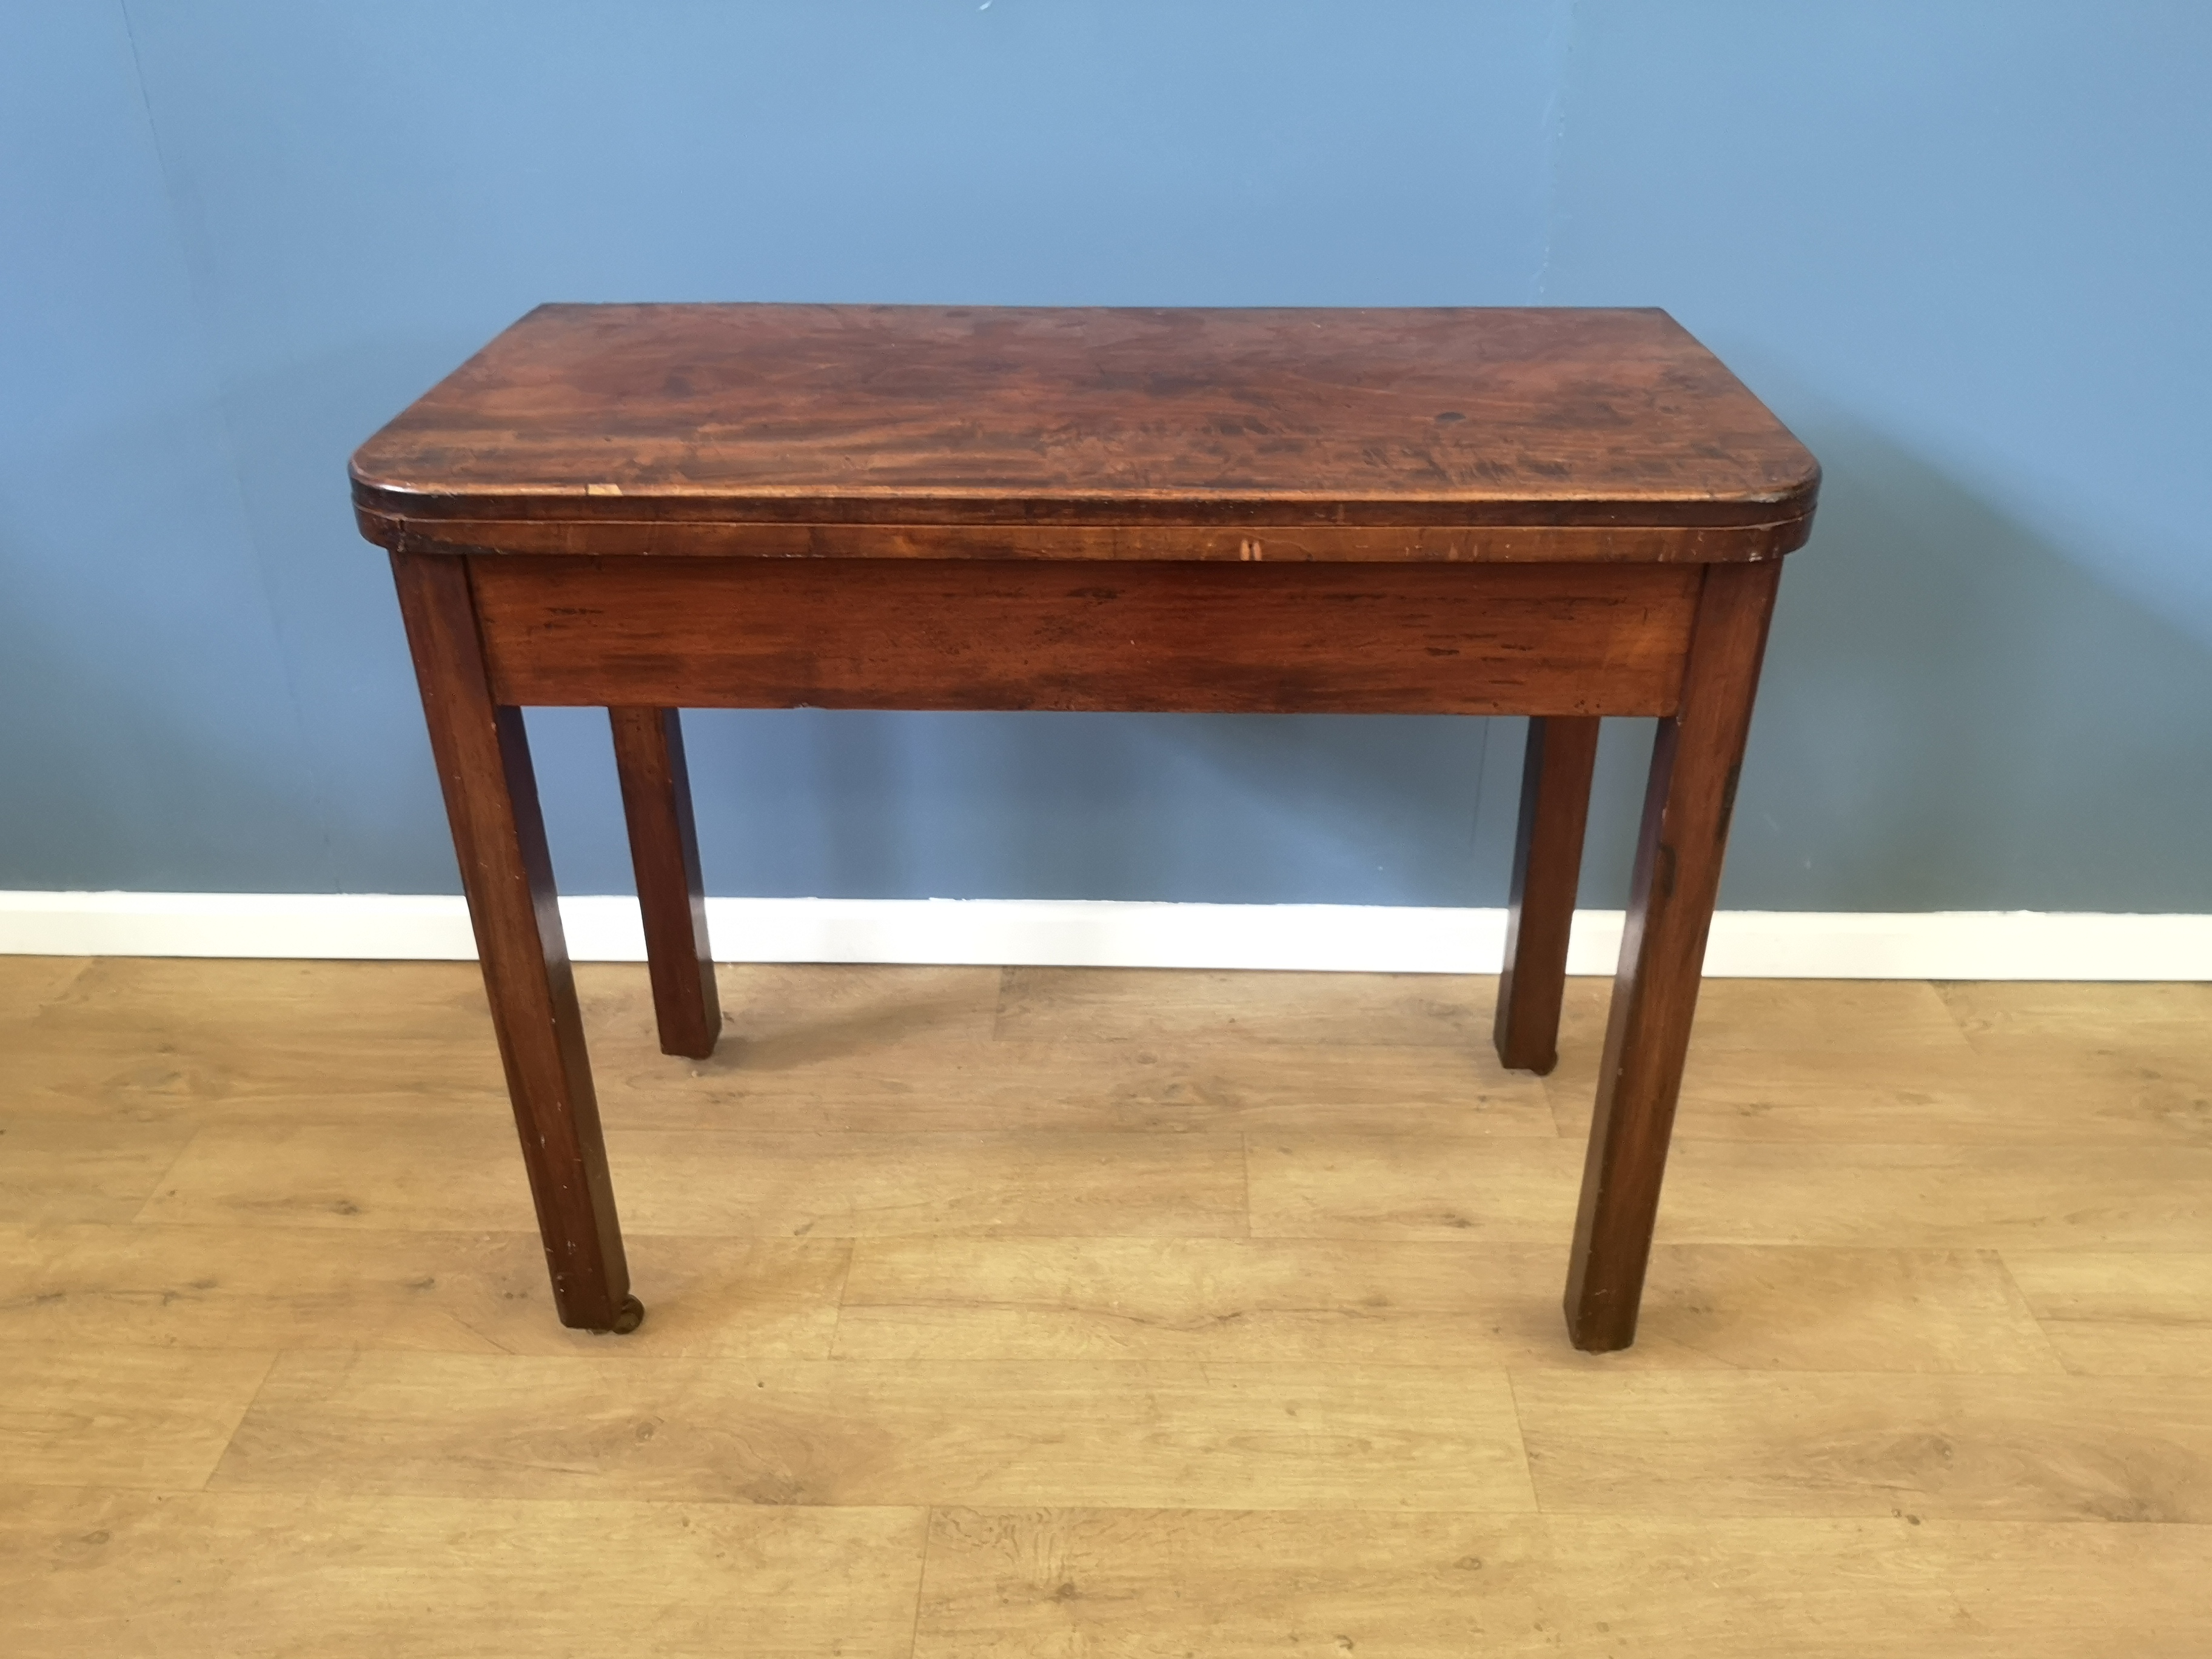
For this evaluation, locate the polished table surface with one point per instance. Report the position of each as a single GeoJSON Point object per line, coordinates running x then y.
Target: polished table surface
{"type": "Point", "coordinates": [1561, 513]}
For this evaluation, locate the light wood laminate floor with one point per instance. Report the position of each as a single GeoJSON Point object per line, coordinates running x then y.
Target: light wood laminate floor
{"type": "Point", "coordinates": [1086, 1312]}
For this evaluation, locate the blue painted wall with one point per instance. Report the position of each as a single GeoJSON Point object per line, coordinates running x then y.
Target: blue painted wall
{"type": "Point", "coordinates": [1961, 247]}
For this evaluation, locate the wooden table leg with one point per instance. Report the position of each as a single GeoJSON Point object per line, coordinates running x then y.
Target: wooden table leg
{"type": "Point", "coordinates": [1686, 806]}
{"type": "Point", "coordinates": [1547, 859]}
{"type": "Point", "coordinates": [491, 799]}
{"type": "Point", "coordinates": [664, 846]}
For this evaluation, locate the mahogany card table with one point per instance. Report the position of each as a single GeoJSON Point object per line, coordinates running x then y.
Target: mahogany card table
{"type": "Point", "coordinates": [1565, 514]}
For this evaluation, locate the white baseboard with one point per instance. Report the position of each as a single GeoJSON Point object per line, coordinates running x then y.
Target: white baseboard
{"type": "Point", "coordinates": [1375, 939]}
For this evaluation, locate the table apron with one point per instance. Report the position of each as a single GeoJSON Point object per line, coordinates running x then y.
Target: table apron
{"type": "Point", "coordinates": [1175, 636]}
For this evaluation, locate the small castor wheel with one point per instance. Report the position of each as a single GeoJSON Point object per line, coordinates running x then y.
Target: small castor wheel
{"type": "Point", "coordinates": [628, 1318]}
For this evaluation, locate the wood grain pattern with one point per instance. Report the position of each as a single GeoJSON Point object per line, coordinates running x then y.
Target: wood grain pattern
{"type": "Point", "coordinates": [127, 1417]}
{"type": "Point", "coordinates": [1695, 764]}
{"type": "Point", "coordinates": [185, 1042]}
{"type": "Point", "coordinates": [64, 1168]}
{"type": "Point", "coordinates": [1925, 1196]}
{"type": "Point", "coordinates": [2122, 1195]}
{"type": "Point", "coordinates": [101, 1574]}
{"type": "Point", "coordinates": [932, 415]}
{"type": "Point", "coordinates": [449, 1176]}
{"type": "Point", "coordinates": [2132, 1018]}
{"type": "Point", "coordinates": [1254, 544]}
{"type": "Point", "coordinates": [2011, 1448]}
{"type": "Point", "coordinates": [1902, 1097]}
{"type": "Point", "coordinates": [1361, 1302]}
{"type": "Point", "coordinates": [257, 1283]}
{"type": "Point", "coordinates": [1436, 1188]}
{"type": "Point", "coordinates": [1247, 543]}
{"type": "Point", "coordinates": [1010, 1583]}
{"type": "Point", "coordinates": [1142, 1007]}
{"type": "Point", "coordinates": [483, 755]}
{"type": "Point", "coordinates": [1085, 1087]}
{"type": "Point", "coordinates": [765, 633]}
{"type": "Point", "coordinates": [893, 1185]}
{"type": "Point", "coordinates": [1547, 862]}
{"type": "Point", "coordinates": [788, 1014]}
{"type": "Point", "coordinates": [671, 895]}
{"type": "Point", "coordinates": [814, 1432]}
{"type": "Point", "coordinates": [1844, 1343]}
{"type": "Point", "coordinates": [2118, 1313]}
{"type": "Point", "coordinates": [1539, 512]}
{"type": "Point", "coordinates": [1850, 1021]}
{"type": "Point", "coordinates": [29, 983]}
{"type": "Point", "coordinates": [440, 1176]}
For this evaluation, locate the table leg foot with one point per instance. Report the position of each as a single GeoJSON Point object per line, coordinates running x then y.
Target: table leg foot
{"type": "Point", "coordinates": [1686, 807]}
{"type": "Point", "coordinates": [1547, 858]}
{"type": "Point", "coordinates": [628, 1318]}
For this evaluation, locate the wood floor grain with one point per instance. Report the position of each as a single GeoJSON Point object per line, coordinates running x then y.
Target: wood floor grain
{"type": "Point", "coordinates": [2095, 1018]}
{"type": "Point", "coordinates": [1147, 1006]}
{"type": "Point", "coordinates": [2122, 1313]}
{"type": "Point", "coordinates": [1850, 1019]}
{"type": "Point", "coordinates": [1989, 1447]}
{"type": "Point", "coordinates": [2128, 1195]}
{"type": "Point", "coordinates": [1058, 1312]}
{"type": "Point", "coordinates": [1162, 1087]}
{"type": "Point", "coordinates": [121, 1416]}
{"type": "Point", "coordinates": [66, 1169]}
{"type": "Point", "coordinates": [101, 1574]}
{"type": "Point", "coordinates": [2015, 1096]}
{"type": "Point", "coordinates": [28, 984]}
{"type": "Point", "coordinates": [1365, 1302]}
{"type": "Point", "coordinates": [272, 1287]}
{"type": "Point", "coordinates": [274, 1041]}
{"type": "Point", "coordinates": [444, 1176]}
{"type": "Point", "coordinates": [1400, 1187]}
{"type": "Point", "coordinates": [1005, 1583]}
{"type": "Point", "coordinates": [858, 1431]}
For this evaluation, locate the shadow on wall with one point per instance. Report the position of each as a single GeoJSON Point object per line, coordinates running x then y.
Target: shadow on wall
{"type": "Point", "coordinates": [1954, 716]}
{"type": "Point", "coordinates": [1226, 809]}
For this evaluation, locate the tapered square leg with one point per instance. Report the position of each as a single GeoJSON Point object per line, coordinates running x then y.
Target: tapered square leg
{"type": "Point", "coordinates": [1686, 807]}
{"type": "Point", "coordinates": [1547, 858]}
{"type": "Point", "coordinates": [491, 801]}
{"type": "Point", "coordinates": [664, 846]}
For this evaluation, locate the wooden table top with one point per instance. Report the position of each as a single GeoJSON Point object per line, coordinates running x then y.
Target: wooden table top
{"type": "Point", "coordinates": [952, 416]}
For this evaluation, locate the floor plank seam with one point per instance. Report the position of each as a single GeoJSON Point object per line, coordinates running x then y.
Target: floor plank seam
{"type": "Point", "coordinates": [1521, 1434]}
{"type": "Point", "coordinates": [844, 1285]}
{"type": "Point", "coordinates": [238, 1423]}
{"type": "Point", "coordinates": [921, 1581]}
{"type": "Point", "coordinates": [2058, 1361]}
{"type": "Point", "coordinates": [153, 1192]}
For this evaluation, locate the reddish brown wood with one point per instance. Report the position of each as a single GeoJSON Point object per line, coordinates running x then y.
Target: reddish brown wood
{"type": "Point", "coordinates": [920, 415]}
{"type": "Point", "coordinates": [656, 790]}
{"type": "Point", "coordinates": [1687, 807]}
{"type": "Point", "coordinates": [1227, 543]}
{"type": "Point", "coordinates": [1555, 512]}
{"type": "Point", "coordinates": [491, 801]}
{"type": "Point", "coordinates": [1547, 858]}
{"type": "Point", "coordinates": [964, 634]}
